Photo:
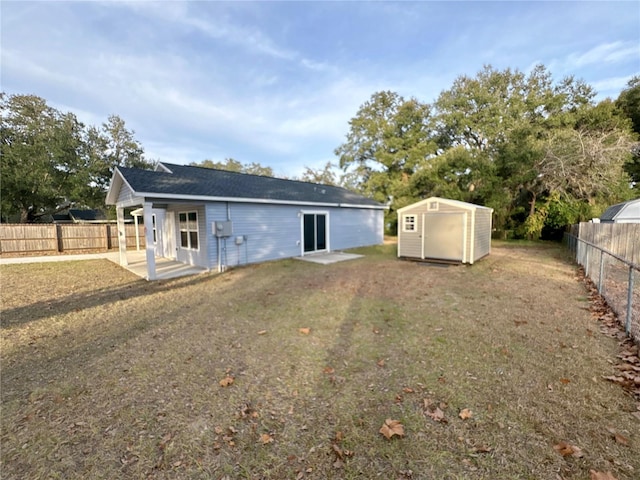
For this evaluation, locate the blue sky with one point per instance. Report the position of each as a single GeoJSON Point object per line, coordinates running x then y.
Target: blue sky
{"type": "Point", "coordinates": [277, 82]}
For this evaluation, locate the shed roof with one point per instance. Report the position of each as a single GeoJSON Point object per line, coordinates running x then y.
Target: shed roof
{"type": "Point", "coordinates": [198, 183]}
{"type": "Point", "coordinates": [615, 211]}
{"type": "Point", "coordinates": [455, 203]}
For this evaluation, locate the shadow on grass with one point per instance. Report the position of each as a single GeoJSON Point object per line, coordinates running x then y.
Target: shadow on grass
{"type": "Point", "coordinates": [19, 316]}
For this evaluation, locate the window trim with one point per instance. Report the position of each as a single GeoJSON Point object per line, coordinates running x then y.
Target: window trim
{"type": "Point", "coordinates": [154, 228]}
{"type": "Point", "coordinates": [188, 230]}
{"type": "Point", "coordinates": [414, 222]}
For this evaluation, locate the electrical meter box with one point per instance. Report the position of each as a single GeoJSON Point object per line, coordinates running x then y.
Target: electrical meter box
{"type": "Point", "coordinates": [222, 229]}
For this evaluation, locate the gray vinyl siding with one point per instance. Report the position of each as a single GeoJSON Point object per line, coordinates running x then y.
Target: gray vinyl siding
{"type": "Point", "coordinates": [352, 227]}
{"type": "Point", "coordinates": [482, 235]}
{"type": "Point", "coordinates": [272, 232]}
{"type": "Point", "coordinates": [127, 198]}
{"type": "Point", "coordinates": [275, 231]}
{"type": "Point", "coordinates": [410, 243]}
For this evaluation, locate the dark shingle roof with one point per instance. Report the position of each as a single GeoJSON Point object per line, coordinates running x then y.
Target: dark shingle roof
{"type": "Point", "coordinates": [87, 215]}
{"type": "Point", "coordinates": [610, 213]}
{"type": "Point", "coordinates": [192, 181]}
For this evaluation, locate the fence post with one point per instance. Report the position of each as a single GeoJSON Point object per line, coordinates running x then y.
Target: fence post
{"type": "Point", "coordinates": [601, 271]}
{"type": "Point", "coordinates": [586, 260]}
{"type": "Point", "coordinates": [629, 301]}
{"type": "Point", "coordinates": [59, 237]}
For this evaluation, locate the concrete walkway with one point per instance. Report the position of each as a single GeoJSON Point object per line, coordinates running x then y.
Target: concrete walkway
{"type": "Point", "coordinates": [113, 256]}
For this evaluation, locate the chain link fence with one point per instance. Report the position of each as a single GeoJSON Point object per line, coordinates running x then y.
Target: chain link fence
{"type": "Point", "coordinates": [616, 277]}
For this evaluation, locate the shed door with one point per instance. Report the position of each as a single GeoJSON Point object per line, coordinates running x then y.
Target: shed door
{"type": "Point", "coordinates": [443, 237]}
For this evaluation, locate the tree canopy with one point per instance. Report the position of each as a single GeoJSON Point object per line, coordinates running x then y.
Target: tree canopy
{"type": "Point", "coordinates": [539, 152]}
{"type": "Point", "coordinates": [51, 161]}
{"type": "Point", "coordinates": [233, 165]}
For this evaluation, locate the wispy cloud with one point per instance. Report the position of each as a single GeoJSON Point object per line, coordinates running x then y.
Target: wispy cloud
{"type": "Point", "coordinates": [606, 53]}
{"type": "Point", "coordinates": [612, 86]}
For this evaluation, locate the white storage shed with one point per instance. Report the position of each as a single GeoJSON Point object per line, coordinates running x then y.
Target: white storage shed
{"type": "Point", "coordinates": [627, 212]}
{"type": "Point", "coordinates": [443, 229]}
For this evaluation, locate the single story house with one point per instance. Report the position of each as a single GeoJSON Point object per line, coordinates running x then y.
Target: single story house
{"type": "Point", "coordinates": [442, 229]}
{"type": "Point", "coordinates": [626, 212]}
{"type": "Point", "coordinates": [215, 218]}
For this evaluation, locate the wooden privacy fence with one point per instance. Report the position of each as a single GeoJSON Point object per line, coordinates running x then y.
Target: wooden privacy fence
{"type": "Point", "coordinates": [622, 239]}
{"type": "Point", "coordinates": [43, 239]}
{"type": "Point", "coordinates": [610, 255]}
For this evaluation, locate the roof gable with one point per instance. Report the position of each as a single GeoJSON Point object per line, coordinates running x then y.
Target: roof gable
{"type": "Point", "coordinates": [455, 203]}
{"type": "Point", "coordinates": [615, 211]}
{"type": "Point", "coordinates": [189, 182]}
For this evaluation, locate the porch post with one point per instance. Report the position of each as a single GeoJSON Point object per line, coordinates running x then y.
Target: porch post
{"type": "Point", "coordinates": [122, 236]}
{"type": "Point", "coordinates": [148, 240]}
{"type": "Point", "coordinates": [135, 220]}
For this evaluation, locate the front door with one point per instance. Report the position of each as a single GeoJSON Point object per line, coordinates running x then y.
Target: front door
{"type": "Point", "coordinates": [314, 231]}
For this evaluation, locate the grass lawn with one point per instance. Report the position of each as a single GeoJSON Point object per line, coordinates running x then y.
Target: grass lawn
{"type": "Point", "coordinates": [108, 376]}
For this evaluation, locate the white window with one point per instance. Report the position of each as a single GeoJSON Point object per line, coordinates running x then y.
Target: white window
{"type": "Point", "coordinates": [433, 206]}
{"type": "Point", "coordinates": [408, 223]}
{"type": "Point", "coordinates": [188, 230]}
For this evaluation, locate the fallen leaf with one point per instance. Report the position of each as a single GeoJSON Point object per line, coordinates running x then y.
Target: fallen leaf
{"type": "Point", "coordinates": [465, 414]}
{"type": "Point", "coordinates": [329, 370]}
{"type": "Point", "coordinates": [337, 450]}
{"type": "Point", "coordinates": [392, 427]}
{"type": "Point", "coordinates": [305, 331]}
{"type": "Point", "coordinates": [481, 449]}
{"type": "Point", "coordinates": [226, 381]}
{"type": "Point", "coordinates": [381, 363]}
{"type": "Point", "coordinates": [266, 438]}
{"type": "Point", "coordinates": [565, 380]}
{"type": "Point", "coordinates": [407, 390]}
{"type": "Point", "coordinates": [621, 439]}
{"type": "Point", "coordinates": [262, 332]}
{"type": "Point", "coordinates": [601, 475]}
{"type": "Point", "coordinates": [564, 449]}
{"type": "Point", "coordinates": [436, 414]}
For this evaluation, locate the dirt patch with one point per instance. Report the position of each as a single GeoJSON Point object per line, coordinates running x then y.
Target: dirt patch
{"type": "Point", "coordinates": [108, 376]}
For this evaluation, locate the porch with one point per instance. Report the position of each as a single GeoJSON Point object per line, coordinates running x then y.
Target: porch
{"type": "Point", "coordinates": [165, 268]}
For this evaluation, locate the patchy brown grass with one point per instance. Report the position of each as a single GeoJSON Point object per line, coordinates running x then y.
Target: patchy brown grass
{"type": "Point", "coordinates": [108, 376]}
